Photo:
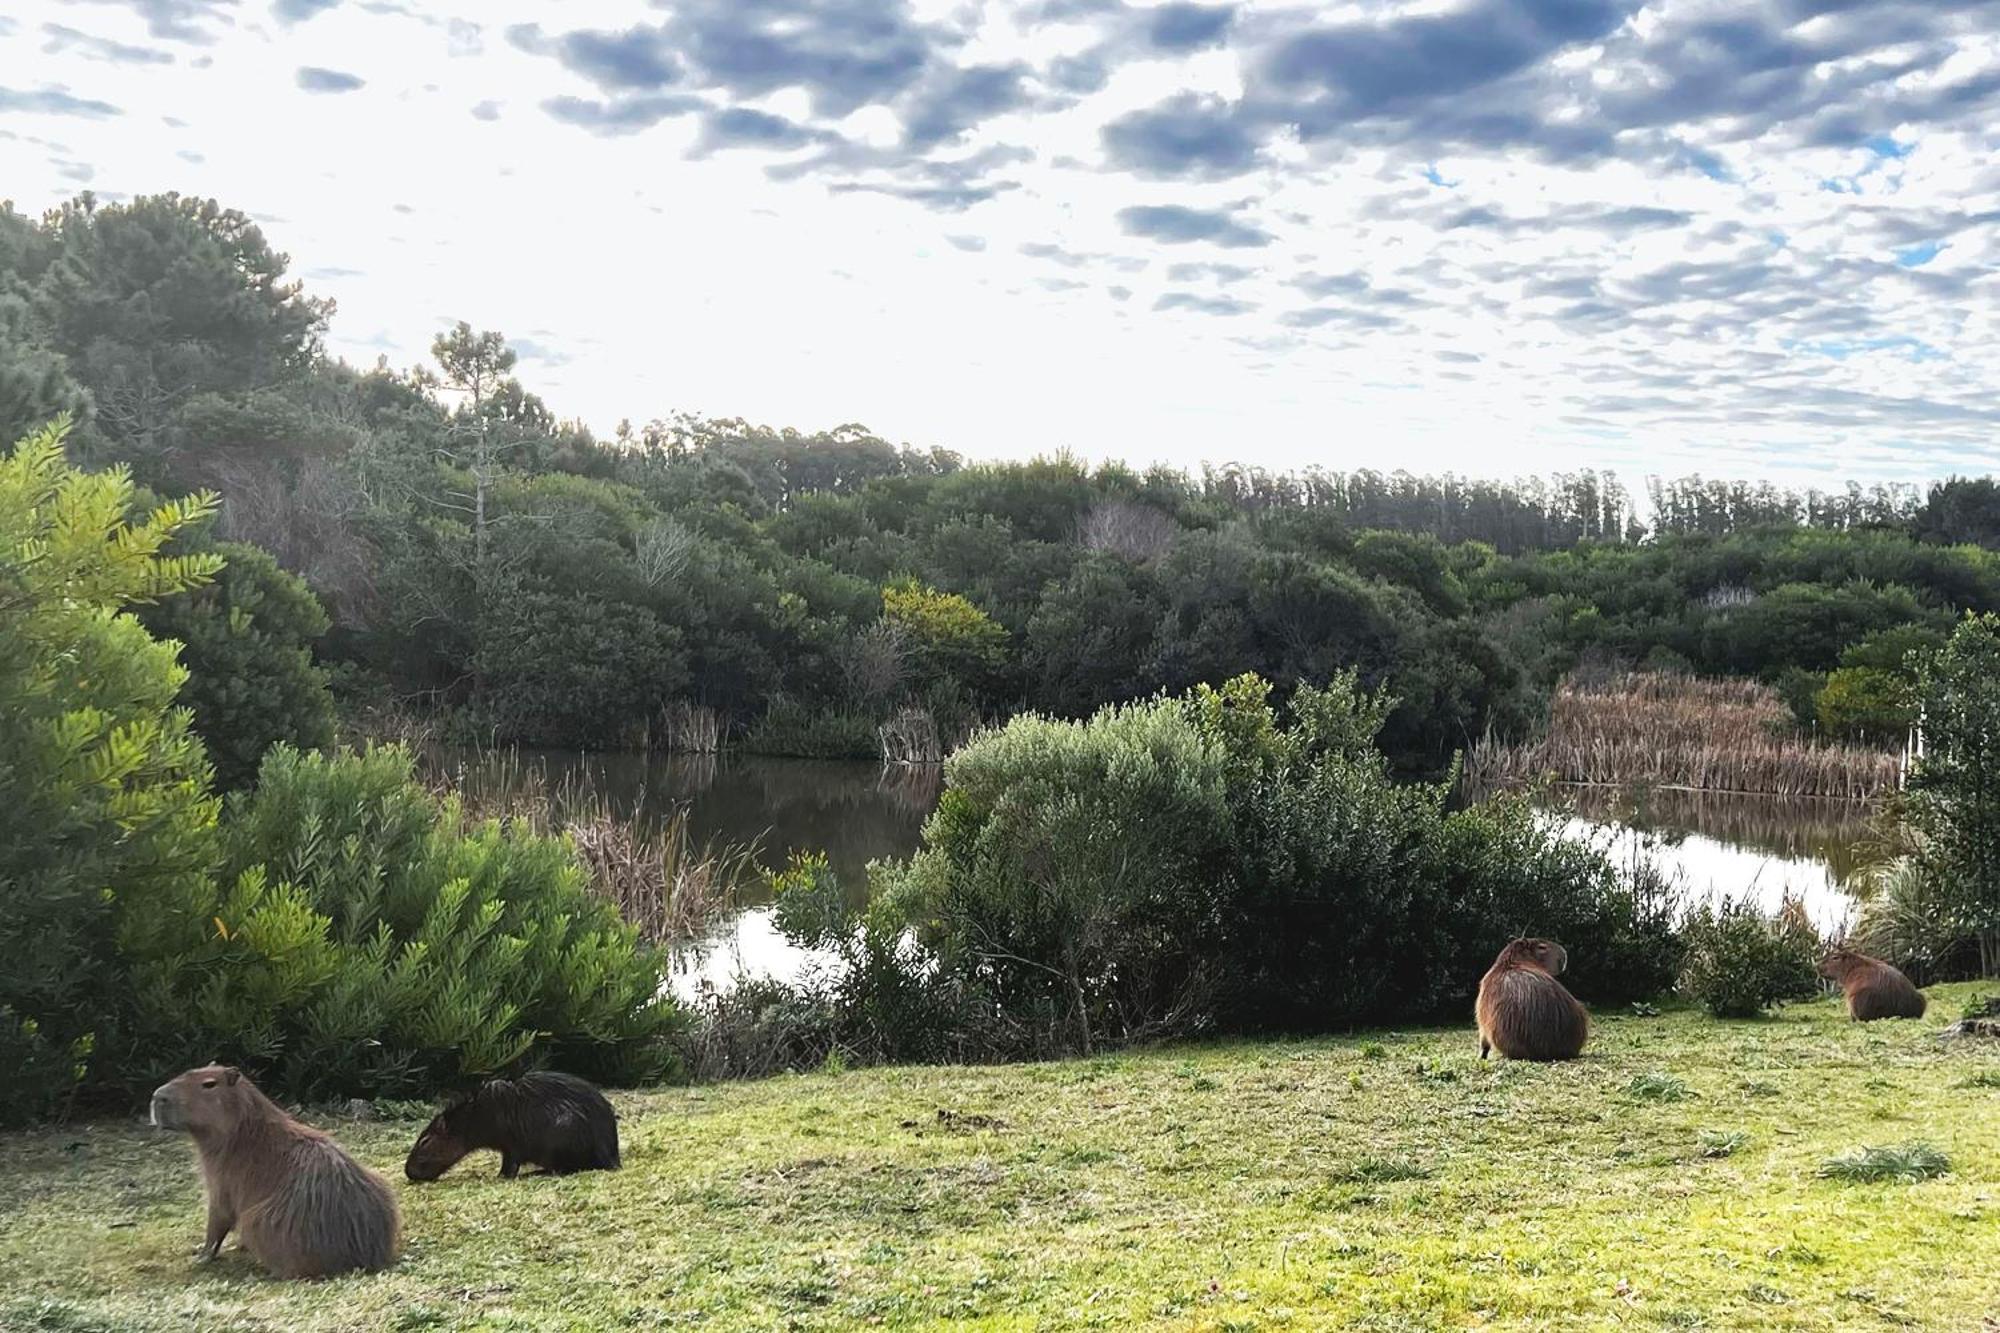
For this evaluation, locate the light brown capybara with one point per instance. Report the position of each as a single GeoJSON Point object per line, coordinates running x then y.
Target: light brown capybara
{"type": "Point", "coordinates": [302, 1206]}
{"type": "Point", "coordinates": [1523, 1011]}
{"type": "Point", "coordinates": [1872, 987]}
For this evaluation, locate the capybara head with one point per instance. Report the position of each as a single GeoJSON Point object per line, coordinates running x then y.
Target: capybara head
{"type": "Point", "coordinates": [1839, 962]}
{"type": "Point", "coordinates": [1549, 956]}
{"type": "Point", "coordinates": [440, 1147]}
{"type": "Point", "coordinates": [210, 1099]}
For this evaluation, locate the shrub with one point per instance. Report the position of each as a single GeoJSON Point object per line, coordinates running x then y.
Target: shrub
{"type": "Point", "coordinates": [1180, 864]}
{"type": "Point", "coordinates": [1079, 871]}
{"type": "Point", "coordinates": [1740, 962]}
{"type": "Point", "coordinates": [365, 941]}
{"type": "Point", "coordinates": [105, 810]}
{"type": "Point", "coordinates": [245, 641]}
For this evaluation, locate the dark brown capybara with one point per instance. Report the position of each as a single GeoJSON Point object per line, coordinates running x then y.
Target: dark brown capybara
{"type": "Point", "coordinates": [301, 1205]}
{"type": "Point", "coordinates": [555, 1121]}
{"type": "Point", "coordinates": [1523, 1011]}
{"type": "Point", "coordinates": [1872, 987]}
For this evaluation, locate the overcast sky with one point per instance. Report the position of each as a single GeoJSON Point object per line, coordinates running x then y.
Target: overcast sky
{"type": "Point", "coordinates": [1748, 237]}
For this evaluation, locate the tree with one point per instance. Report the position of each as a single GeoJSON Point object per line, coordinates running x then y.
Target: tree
{"type": "Point", "coordinates": [246, 644]}
{"type": "Point", "coordinates": [476, 364]}
{"type": "Point", "coordinates": [104, 789]}
{"type": "Point", "coordinates": [1954, 797]}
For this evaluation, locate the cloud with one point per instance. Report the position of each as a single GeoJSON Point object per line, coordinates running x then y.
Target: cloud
{"type": "Point", "coordinates": [637, 59]}
{"type": "Point", "coordinates": [99, 48]}
{"type": "Point", "coordinates": [313, 79]}
{"type": "Point", "coordinates": [962, 99]}
{"type": "Point", "coordinates": [1188, 134]}
{"type": "Point", "coordinates": [191, 21]}
{"type": "Point", "coordinates": [1222, 273]}
{"type": "Point", "coordinates": [1187, 27]}
{"type": "Point", "coordinates": [54, 101]}
{"type": "Point", "coordinates": [625, 116]}
{"type": "Point", "coordinates": [743, 127]}
{"type": "Point", "coordinates": [1176, 224]}
{"type": "Point", "coordinates": [973, 244]}
{"type": "Point", "coordinates": [1203, 305]}
{"type": "Point", "coordinates": [488, 110]}
{"type": "Point", "coordinates": [298, 11]}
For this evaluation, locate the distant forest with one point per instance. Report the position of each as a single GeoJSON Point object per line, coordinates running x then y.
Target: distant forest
{"type": "Point", "coordinates": [447, 546]}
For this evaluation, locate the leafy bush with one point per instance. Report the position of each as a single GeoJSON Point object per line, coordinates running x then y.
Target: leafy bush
{"type": "Point", "coordinates": [1740, 962]}
{"type": "Point", "coordinates": [365, 941]}
{"type": "Point", "coordinates": [105, 811]}
{"type": "Point", "coordinates": [245, 641]}
{"type": "Point", "coordinates": [1181, 864]}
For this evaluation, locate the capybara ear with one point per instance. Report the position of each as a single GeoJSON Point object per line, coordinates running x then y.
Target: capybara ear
{"type": "Point", "coordinates": [230, 1075]}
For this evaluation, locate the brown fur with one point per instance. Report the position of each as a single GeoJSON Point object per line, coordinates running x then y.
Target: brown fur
{"type": "Point", "coordinates": [1523, 1011]}
{"type": "Point", "coordinates": [1872, 987]}
{"type": "Point", "coordinates": [301, 1205]}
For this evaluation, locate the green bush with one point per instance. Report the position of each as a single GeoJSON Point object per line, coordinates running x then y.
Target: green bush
{"type": "Point", "coordinates": [246, 643]}
{"type": "Point", "coordinates": [105, 811]}
{"type": "Point", "coordinates": [1183, 864]}
{"type": "Point", "coordinates": [366, 941]}
{"type": "Point", "coordinates": [1740, 962]}
{"type": "Point", "coordinates": [1079, 872]}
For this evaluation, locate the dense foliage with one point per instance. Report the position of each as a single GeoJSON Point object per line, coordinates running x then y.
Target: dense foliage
{"type": "Point", "coordinates": [482, 557]}
{"type": "Point", "coordinates": [1203, 863]}
{"type": "Point", "coordinates": [105, 811]}
{"type": "Point", "coordinates": [340, 930]}
{"type": "Point", "coordinates": [1740, 962]}
{"type": "Point", "coordinates": [1954, 800]}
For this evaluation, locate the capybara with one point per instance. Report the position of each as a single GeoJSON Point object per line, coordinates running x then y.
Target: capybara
{"type": "Point", "coordinates": [1524, 1012]}
{"type": "Point", "coordinates": [1873, 988]}
{"type": "Point", "coordinates": [555, 1121]}
{"type": "Point", "coordinates": [302, 1206]}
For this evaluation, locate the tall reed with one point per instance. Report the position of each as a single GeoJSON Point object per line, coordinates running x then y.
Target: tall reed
{"type": "Point", "coordinates": [1674, 731]}
{"type": "Point", "coordinates": [911, 737]}
{"type": "Point", "coordinates": [692, 728]}
{"type": "Point", "coordinates": [661, 881]}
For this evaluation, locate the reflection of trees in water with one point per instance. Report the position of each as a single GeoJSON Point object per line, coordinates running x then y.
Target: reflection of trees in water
{"type": "Point", "coordinates": [913, 787]}
{"type": "Point", "coordinates": [854, 812]}
{"type": "Point", "coordinates": [1800, 829]}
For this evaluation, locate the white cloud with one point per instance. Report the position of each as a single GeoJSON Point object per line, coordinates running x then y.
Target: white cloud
{"type": "Point", "coordinates": [1696, 270]}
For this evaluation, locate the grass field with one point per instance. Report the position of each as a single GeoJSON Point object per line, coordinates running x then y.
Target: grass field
{"type": "Point", "coordinates": [1384, 1181]}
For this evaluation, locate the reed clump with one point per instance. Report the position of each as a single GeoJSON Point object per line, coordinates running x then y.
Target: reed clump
{"type": "Point", "coordinates": [911, 737]}
{"type": "Point", "coordinates": [672, 889]}
{"type": "Point", "coordinates": [1682, 732]}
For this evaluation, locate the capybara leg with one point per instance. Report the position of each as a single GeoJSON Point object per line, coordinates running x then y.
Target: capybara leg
{"type": "Point", "coordinates": [219, 1223]}
{"type": "Point", "coordinates": [1484, 1047]}
{"type": "Point", "coordinates": [510, 1166]}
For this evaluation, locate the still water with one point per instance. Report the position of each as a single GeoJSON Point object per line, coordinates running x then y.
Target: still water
{"type": "Point", "coordinates": [1713, 847]}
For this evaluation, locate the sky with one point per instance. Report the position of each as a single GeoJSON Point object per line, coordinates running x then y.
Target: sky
{"type": "Point", "coordinates": [1747, 238]}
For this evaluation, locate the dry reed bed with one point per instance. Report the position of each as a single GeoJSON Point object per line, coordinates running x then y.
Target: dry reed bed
{"type": "Point", "coordinates": [1682, 732]}
{"type": "Point", "coordinates": [673, 891]}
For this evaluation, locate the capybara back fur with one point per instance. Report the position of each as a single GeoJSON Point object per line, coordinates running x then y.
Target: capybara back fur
{"type": "Point", "coordinates": [554, 1121]}
{"type": "Point", "coordinates": [1872, 987]}
{"type": "Point", "coordinates": [301, 1205]}
{"type": "Point", "coordinates": [1523, 1011]}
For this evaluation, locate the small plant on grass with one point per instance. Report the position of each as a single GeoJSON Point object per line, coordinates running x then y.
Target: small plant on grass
{"type": "Point", "coordinates": [1739, 962]}
{"type": "Point", "coordinates": [1381, 1170]}
{"type": "Point", "coordinates": [1906, 1162]}
{"type": "Point", "coordinates": [1657, 1087]}
{"type": "Point", "coordinates": [1721, 1142]}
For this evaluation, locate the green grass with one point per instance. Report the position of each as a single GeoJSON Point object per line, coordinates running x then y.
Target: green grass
{"type": "Point", "coordinates": [1278, 1185]}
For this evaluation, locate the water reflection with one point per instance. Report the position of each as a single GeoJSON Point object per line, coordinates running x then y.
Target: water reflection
{"type": "Point", "coordinates": [1733, 846]}
{"type": "Point", "coordinates": [1713, 845]}
{"type": "Point", "coordinates": [854, 812]}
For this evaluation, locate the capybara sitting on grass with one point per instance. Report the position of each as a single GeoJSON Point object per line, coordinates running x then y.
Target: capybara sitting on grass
{"type": "Point", "coordinates": [1873, 988]}
{"type": "Point", "coordinates": [1523, 1011]}
{"type": "Point", "coordinates": [302, 1206]}
{"type": "Point", "coordinates": [554, 1121]}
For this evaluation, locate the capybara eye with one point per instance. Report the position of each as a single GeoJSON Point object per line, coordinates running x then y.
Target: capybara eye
{"type": "Point", "coordinates": [208, 1083]}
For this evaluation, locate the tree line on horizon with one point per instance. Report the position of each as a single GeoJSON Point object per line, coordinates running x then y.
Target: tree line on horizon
{"type": "Point", "coordinates": [438, 538]}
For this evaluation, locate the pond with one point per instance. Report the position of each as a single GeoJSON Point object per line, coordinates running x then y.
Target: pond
{"type": "Point", "coordinates": [1712, 846]}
